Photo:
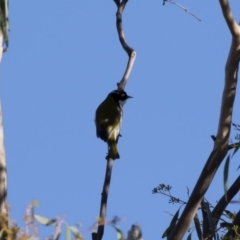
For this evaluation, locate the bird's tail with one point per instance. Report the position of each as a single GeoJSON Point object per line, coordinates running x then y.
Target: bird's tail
{"type": "Point", "coordinates": [113, 150]}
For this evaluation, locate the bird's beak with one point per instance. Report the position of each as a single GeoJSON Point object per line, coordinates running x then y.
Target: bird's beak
{"type": "Point", "coordinates": [129, 97]}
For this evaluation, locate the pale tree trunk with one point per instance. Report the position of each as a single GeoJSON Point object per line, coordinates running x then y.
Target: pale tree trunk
{"type": "Point", "coordinates": [221, 146]}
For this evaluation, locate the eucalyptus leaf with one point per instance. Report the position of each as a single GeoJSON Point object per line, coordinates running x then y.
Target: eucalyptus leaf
{"type": "Point", "coordinates": [120, 235]}
{"type": "Point", "coordinates": [210, 219]}
{"type": "Point", "coordinates": [68, 233]}
{"type": "Point", "coordinates": [225, 176]}
{"type": "Point", "coordinates": [74, 230]}
{"type": "Point", "coordinates": [45, 221]}
{"type": "Point", "coordinates": [236, 148]}
{"type": "Point", "coordinates": [172, 225]}
{"type": "Point", "coordinates": [230, 214]}
{"type": "Point", "coordinates": [198, 227]}
{"type": "Point", "coordinates": [189, 236]}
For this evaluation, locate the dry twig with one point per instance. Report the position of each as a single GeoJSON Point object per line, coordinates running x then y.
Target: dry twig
{"type": "Point", "coordinates": [183, 8]}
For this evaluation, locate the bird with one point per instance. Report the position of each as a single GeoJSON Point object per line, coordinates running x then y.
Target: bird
{"type": "Point", "coordinates": [108, 120]}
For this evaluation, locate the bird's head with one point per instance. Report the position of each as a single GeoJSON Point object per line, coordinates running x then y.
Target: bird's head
{"type": "Point", "coordinates": [120, 96]}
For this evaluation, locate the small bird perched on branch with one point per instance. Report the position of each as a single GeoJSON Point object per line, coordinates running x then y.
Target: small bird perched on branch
{"type": "Point", "coordinates": [109, 118]}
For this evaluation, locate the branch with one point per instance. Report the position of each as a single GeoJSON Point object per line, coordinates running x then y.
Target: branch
{"type": "Point", "coordinates": [224, 126]}
{"type": "Point", "coordinates": [130, 51]}
{"type": "Point", "coordinates": [103, 207]}
{"type": "Point", "coordinates": [183, 8]}
{"type": "Point", "coordinates": [132, 55]}
{"type": "Point", "coordinates": [227, 13]}
{"type": "Point", "coordinates": [3, 166]}
{"type": "Point", "coordinates": [222, 204]}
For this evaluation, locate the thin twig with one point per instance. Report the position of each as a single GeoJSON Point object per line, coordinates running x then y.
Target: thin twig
{"type": "Point", "coordinates": [130, 51]}
{"type": "Point", "coordinates": [103, 207]}
{"type": "Point", "coordinates": [183, 8]}
{"type": "Point", "coordinates": [3, 164]}
{"type": "Point", "coordinates": [172, 197]}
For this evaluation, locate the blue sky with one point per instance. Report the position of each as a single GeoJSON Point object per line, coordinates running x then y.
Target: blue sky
{"type": "Point", "coordinates": [64, 58]}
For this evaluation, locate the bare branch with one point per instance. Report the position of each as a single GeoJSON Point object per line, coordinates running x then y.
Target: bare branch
{"type": "Point", "coordinates": [222, 204]}
{"type": "Point", "coordinates": [103, 207]}
{"type": "Point", "coordinates": [224, 126]}
{"type": "Point", "coordinates": [229, 18]}
{"type": "Point", "coordinates": [132, 55]}
{"type": "Point", "coordinates": [130, 51]}
{"type": "Point", "coordinates": [3, 166]}
{"type": "Point", "coordinates": [183, 8]}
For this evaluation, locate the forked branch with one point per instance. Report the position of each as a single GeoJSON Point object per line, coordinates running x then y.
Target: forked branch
{"type": "Point", "coordinates": [132, 55]}
{"type": "Point", "coordinates": [224, 126]}
{"type": "Point", "coordinates": [130, 51]}
{"type": "Point", "coordinates": [229, 18]}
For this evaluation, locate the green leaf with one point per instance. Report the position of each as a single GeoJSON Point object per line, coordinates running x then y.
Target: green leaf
{"type": "Point", "coordinates": [230, 214]}
{"type": "Point", "coordinates": [120, 235]}
{"type": "Point", "coordinates": [68, 233]}
{"type": "Point", "coordinates": [189, 236]}
{"type": "Point", "coordinates": [236, 147]}
{"type": "Point", "coordinates": [172, 225]}
{"type": "Point", "coordinates": [74, 230]}
{"type": "Point", "coordinates": [210, 219]}
{"type": "Point", "coordinates": [198, 227]}
{"type": "Point", "coordinates": [165, 234]}
{"type": "Point", "coordinates": [45, 221]}
{"type": "Point", "coordinates": [225, 176]}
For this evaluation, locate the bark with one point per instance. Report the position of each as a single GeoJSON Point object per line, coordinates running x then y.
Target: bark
{"type": "Point", "coordinates": [220, 148]}
{"type": "Point", "coordinates": [130, 51]}
{"type": "Point", "coordinates": [132, 55]}
{"type": "Point", "coordinates": [3, 167]}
